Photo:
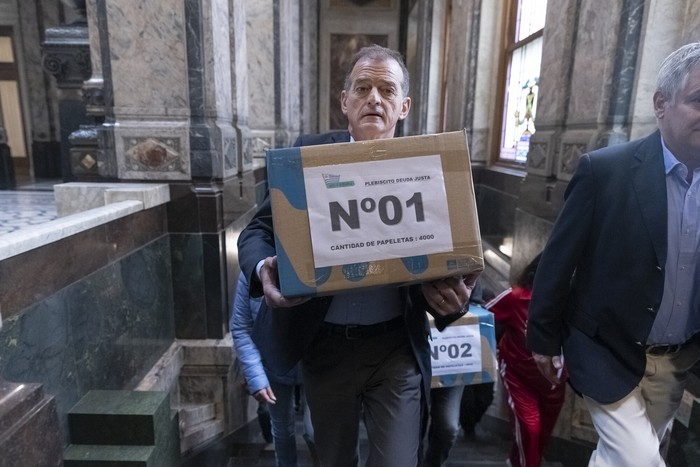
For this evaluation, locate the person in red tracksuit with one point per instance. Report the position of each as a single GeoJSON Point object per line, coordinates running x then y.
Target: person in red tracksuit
{"type": "Point", "coordinates": [535, 403]}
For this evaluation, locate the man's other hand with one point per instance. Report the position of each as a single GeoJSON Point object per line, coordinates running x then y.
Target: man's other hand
{"type": "Point", "coordinates": [270, 282]}
{"type": "Point", "coordinates": [550, 367]}
{"type": "Point", "coordinates": [450, 295]}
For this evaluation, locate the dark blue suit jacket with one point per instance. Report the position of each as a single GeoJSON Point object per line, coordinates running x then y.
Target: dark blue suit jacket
{"type": "Point", "coordinates": [283, 336]}
{"type": "Point", "coordinates": [600, 280]}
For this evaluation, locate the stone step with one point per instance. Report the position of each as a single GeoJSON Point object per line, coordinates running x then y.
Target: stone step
{"type": "Point", "coordinates": [107, 417]}
{"type": "Point", "coordinates": [201, 433]}
{"type": "Point", "coordinates": [194, 414]}
{"type": "Point", "coordinates": [86, 455]}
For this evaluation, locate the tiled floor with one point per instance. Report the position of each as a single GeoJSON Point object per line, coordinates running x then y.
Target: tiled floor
{"type": "Point", "coordinates": [20, 209]}
{"type": "Point", "coordinates": [29, 204]}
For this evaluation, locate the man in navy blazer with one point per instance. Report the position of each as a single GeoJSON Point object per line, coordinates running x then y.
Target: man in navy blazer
{"type": "Point", "coordinates": [364, 354]}
{"type": "Point", "coordinates": [617, 289]}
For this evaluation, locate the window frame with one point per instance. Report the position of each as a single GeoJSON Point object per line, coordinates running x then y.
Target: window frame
{"type": "Point", "coordinates": [510, 45]}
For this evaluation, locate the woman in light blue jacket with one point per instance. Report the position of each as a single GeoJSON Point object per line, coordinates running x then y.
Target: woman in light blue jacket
{"type": "Point", "coordinates": [276, 391]}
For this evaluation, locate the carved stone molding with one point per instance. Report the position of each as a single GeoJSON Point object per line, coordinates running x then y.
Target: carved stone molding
{"type": "Point", "coordinates": [229, 151]}
{"type": "Point", "coordinates": [570, 154]}
{"type": "Point", "coordinates": [573, 144]}
{"type": "Point", "coordinates": [537, 157]}
{"type": "Point", "coordinates": [149, 154]}
{"type": "Point", "coordinates": [260, 144]}
{"type": "Point", "coordinates": [541, 155]}
{"type": "Point", "coordinates": [152, 151]}
{"type": "Point", "coordinates": [67, 55]}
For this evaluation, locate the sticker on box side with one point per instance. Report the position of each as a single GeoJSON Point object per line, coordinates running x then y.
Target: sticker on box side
{"type": "Point", "coordinates": [487, 368]}
{"type": "Point", "coordinates": [455, 350]}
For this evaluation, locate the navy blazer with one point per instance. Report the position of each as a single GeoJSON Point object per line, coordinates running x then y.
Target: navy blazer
{"type": "Point", "coordinates": [600, 280]}
{"type": "Point", "coordinates": [283, 336]}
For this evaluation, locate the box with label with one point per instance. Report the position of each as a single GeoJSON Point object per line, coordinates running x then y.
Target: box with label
{"type": "Point", "coordinates": [465, 351]}
{"type": "Point", "coordinates": [369, 213]}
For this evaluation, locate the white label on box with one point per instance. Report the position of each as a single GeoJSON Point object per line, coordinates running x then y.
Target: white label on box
{"type": "Point", "coordinates": [455, 350]}
{"type": "Point", "coordinates": [368, 211]}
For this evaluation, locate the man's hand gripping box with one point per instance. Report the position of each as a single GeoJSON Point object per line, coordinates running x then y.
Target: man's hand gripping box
{"type": "Point", "coordinates": [465, 351]}
{"type": "Point", "coordinates": [369, 213]}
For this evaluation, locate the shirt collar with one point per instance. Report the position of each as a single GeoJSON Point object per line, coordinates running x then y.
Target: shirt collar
{"type": "Point", "coordinates": [670, 161]}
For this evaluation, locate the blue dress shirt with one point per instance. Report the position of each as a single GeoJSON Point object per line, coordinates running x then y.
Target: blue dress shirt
{"type": "Point", "coordinates": [678, 317]}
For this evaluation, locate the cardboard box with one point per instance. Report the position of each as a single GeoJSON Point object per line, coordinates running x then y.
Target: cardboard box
{"type": "Point", "coordinates": [369, 213]}
{"type": "Point", "coordinates": [465, 351]}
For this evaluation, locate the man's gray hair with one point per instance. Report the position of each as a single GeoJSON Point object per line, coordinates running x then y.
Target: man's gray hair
{"type": "Point", "coordinates": [377, 52]}
{"type": "Point", "coordinates": [675, 69]}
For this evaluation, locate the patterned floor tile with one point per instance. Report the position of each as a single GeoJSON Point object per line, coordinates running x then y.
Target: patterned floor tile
{"type": "Point", "coordinates": [21, 209]}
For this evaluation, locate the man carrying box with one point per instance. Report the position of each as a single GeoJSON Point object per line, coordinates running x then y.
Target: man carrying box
{"type": "Point", "coordinates": [363, 353]}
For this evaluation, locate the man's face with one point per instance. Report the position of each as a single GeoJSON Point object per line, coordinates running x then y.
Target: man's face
{"type": "Point", "coordinates": [679, 121]}
{"type": "Point", "coordinates": [375, 102]}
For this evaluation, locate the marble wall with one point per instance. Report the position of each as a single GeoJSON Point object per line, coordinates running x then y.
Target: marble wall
{"type": "Point", "coordinates": [288, 72]}
{"type": "Point", "coordinates": [200, 298]}
{"type": "Point", "coordinates": [148, 65]}
{"type": "Point", "coordinates": [261, 68]}
{"type": "Point", "coordinates": [458, 74]}
{"type": "Point", "coordinates": [437, 63]}
{"type": "Point", "coordinates": [260, 35]}
{"type": "Point", "coordinates": [177, 78]}
{"type": "Point", "coordinates": [105, 330]}
{"type": "Point", "coordinates": [282, 73]}
{"type": "Point", "coordinates": [148, 40]}
{"type": "Point", "coordinates": [309, 27]}
{"type": "Point", "coordinates": [485, 93]}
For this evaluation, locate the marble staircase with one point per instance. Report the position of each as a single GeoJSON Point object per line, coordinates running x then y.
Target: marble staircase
{"type": "Point", "coordinates": [203, 390]}
{"type": "Point", "coordinates": [123, 428]}
{"type": "Point", "coordinates": [198, 425]}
